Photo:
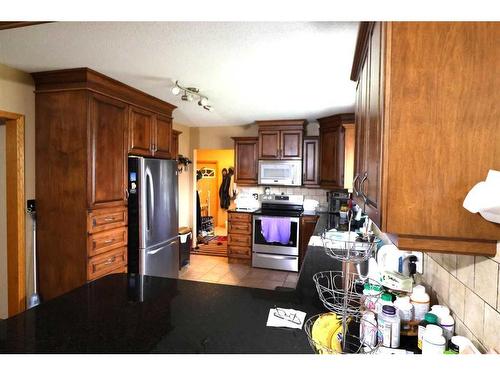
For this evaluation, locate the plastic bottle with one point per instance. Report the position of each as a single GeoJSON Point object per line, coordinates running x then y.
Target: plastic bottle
{"type": "Point", "coordinates": [385, 299]}
{"type": "Point", "coordinates": [390, 325]}
{"type": "Point", "coordinates": [405, 311]}
{"type": "Point", "coordinates": [440, 311]}
{"type": "Point", "coordinates": [368, 329]}
{"type": "Point", "coordinates": [447, 323]}
{"type": "Point", "coordinates": [434, 341]}
{"type": "Point", "coordinates": [420, 301]}
{"type": "Point", "coordinates": [429, 318]}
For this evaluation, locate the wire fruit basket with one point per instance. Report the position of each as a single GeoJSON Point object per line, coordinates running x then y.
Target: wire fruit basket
{"type": "Point", "coordinates": [342, 293]}
{"type": "Point", "coordinates": [346, 249]}
{"type": "Point", "coordinates": [342, 340]}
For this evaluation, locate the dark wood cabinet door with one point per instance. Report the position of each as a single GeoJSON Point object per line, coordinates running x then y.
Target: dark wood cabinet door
{"type": "Point", "coordinates": [108, 157]}
{"type": "Point", "coordinates": [307, 225]}
{"type": "Point", "coordinates": [246, 160]}
{"type": "Point", "coordinates": [163, 137]}
{"type": "Point", "coordinates": [291, 144]}
{"type": "Point", "coordinates": [141, 131]}
{"type": "Point", "coordinates": [372, 183]}
{"type": "Point", "coordinates": [332, 157]}
{"type": "Point", "coordinates": [311, 162]}
{"type": "Point", "coordinates": [175, 143]}
{"type": "Point", "coordinates": [269, 144]}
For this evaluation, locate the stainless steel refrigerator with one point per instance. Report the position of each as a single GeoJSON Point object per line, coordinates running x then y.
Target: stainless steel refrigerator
{"type": "Point", "coordinates": [153, 240]}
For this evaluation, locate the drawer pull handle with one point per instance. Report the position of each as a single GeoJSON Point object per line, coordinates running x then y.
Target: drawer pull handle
{"type": "Point", "coordinates": [108, 219]}
{"type": "Point", "coordinates": [110, 260]}
{"type": "Point", "coordinates": [109, 241]}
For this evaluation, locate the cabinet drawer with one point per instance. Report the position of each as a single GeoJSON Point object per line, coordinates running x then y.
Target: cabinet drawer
{"type": "Point", "coordinates": [238, 216]}
{"type": "Point", "coordinates": [239, 227]}
{"type": "Point", "coordinates": [104, 264]}
{"type": "Point", "coordinates": [239, 239]}
{"type": "Point", "coordinates": [99, 220]}
{"type": "Point", "coordinates": [101, 242]}
{"type": "Point", "coordinates": [239, 251]}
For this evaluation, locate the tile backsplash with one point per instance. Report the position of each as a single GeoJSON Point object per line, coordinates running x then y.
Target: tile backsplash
{"type": "Point", "coordinates": [470, 287]}
{"type": "Point", "coordinates": [316, 194]}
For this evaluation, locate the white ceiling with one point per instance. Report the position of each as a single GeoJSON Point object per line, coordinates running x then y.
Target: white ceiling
{"type": "Point", "coordinates": [249, 71]}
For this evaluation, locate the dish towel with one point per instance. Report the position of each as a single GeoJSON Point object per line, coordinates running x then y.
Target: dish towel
{"type": "Point", "coordinates": [276, 229]}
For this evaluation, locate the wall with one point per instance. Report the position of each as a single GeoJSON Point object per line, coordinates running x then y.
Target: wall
{"type": "Point", "coordinates": [185, 178]}
{"type": "Point", "coordinates": [316, 194]}
{"type": "Point", "coordinates": [470, 287]}
{"type": "Point", "coordinates": [16, 95]}
{"type": "Point", "coordinates": [225, 159]}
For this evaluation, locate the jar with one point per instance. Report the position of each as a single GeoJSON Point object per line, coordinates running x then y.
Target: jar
{"type": "Point", "coordinates": [429, 318]}
{"type": "Point", "coordinates": [368, 329]}
{"type": "Point", "coordinates": [434, 341]}
{"type": "Point", "coordinates": [420, 301]}
{"type": "Point", "coordinates": [405, 311]}
{"type": "Point", "coordinates": [440, 311]}
{"type": "Point", "coordinates": [385, 299]}
{"type": "Point", "coordinates": [390, 326]}
{"type": "Point", "coordinates": [447, 323]}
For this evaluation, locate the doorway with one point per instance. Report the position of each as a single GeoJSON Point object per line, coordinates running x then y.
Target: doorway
{"type": "Point", "coordinates": [12, 231]}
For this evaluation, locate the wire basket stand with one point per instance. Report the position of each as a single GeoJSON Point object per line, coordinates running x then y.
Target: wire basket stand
{"type": "Point", "coordinates": [341, 291]}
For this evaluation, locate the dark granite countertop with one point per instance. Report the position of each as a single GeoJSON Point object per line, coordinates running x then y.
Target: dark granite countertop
{"type": "Point", "coordinates": [140, 314]}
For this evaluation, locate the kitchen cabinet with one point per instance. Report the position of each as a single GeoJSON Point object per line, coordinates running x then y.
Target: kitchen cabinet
{"type": "Point", "coordinates": [108, 144]}
{"type": "Point", "coordinates": [246, 160]}
{"type": "Point", "coordinates": [175, 143]}
{"type": "Point", "coordinates": [281, 139]}
{"type": "Point", "coordinates": [417, 135]}
{"type": "Point", "coordinates": [332, 149]}
{"type": "Point", "coordinates": [239, 236]}
{"type": "Point", "coordinates": [149, 134]}
{"type": "Point", "coordinates": [310, 163]}
{"type": "Point", "coordinates": [307, 225]}
{"type": "Point", "coordinates": [86, 124]}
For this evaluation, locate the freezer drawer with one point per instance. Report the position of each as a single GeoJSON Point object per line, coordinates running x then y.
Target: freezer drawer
{"type": "Point", "coordinates": [276, 262]}
{"type": "Point", "coordinates": [161, 260]}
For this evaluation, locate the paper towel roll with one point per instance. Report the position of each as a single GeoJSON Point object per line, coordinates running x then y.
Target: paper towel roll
{"type": "Point", "coordinates": [484, 197]}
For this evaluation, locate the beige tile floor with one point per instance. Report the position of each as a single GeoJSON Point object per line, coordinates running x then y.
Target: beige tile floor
{"type": "Point", "coordinates": [217, 270]}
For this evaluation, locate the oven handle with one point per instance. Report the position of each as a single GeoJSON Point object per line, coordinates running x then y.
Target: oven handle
{"type": "Point", "coordinates": [292, 219]}
{"type": "Point", "coordinates": [276, 256]}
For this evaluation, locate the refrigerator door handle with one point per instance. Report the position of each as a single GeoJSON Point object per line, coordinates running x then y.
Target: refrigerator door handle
{"type": "Point", "coordinates": [152, 252]}
{"type": "Point", "coordinates": [150, 199]}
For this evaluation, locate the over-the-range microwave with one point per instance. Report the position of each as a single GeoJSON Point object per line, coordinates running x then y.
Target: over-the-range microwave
{"type": "Point", "coordinates": [280, 172]}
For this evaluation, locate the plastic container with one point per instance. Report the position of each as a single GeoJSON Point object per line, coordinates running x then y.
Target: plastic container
{"type": "Point", "coordinates": [385, 299]}
{"type": "Point", "coordinates": [429, 318]}
{"type": "Point", "coordinates": [447, 323]}
{"type": "Point", "coordinates": [433, 341]}
{"type": "Point", "coordinates": [405, 311]}
{"type": "Point", "coordinates": [440, 311]}
{"type": "Point", "coordinates": [368, 329]}
{"type": "Point", "coordinates": [420, 301]}
{"type": "Point", "coordinates": [370, 296]}
{"type": "Point", "coordinates": [390, 326]}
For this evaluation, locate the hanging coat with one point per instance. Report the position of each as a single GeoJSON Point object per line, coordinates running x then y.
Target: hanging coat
{"type": "Point", "coordinates": [224, 197]}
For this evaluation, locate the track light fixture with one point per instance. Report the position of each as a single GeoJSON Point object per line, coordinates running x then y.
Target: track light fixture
{"type": "Point", "coordinates": [191, 93]}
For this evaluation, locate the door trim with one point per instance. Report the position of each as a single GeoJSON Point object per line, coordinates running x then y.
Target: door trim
{"type": "Point", "coordinates": [16, 220]}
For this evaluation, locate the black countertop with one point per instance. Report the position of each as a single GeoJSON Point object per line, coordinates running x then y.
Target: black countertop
{"type": "Point", "coordinates": [140, 314]}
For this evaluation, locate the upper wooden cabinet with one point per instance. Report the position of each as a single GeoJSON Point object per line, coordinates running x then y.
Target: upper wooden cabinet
{"type": "Point", "coordinates": [163, 138]}
{"type": "Point", "coordinates": [281, 139]}
{"type": "Point", "coordinates": [245, 160]}
{"type": "Point", "coordinates": [150, 134]}
{"type": "Point", "coordinates": [427, 130]}
{"type": "Point", "coordinates": [175, 143]}
{"type": "Point", "coordinates": [310, 163]}
{"type": "Point", "coordinates": [108, 157]}
{"type": "Point", "coordinates": [332, 149]}
{"type": "Point", "coordinates": [85, 124]}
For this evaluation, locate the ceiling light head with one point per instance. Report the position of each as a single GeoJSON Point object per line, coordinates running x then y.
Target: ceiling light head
{"type": "Point", "coordinates": [184, 97]}
{"type": "Point", "coordinates": [189, 97]}
{"type": "Point", "coordinates": [209, 108]}
{"type": "Point", "coordinates": [203, 102]}
{"type": "Point", "coordinates": [176, 90]}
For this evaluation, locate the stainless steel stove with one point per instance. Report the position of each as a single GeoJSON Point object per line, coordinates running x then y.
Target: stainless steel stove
{"type": "Point", "coordinates": [272, 247]}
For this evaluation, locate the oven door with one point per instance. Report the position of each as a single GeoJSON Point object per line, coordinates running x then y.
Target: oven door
{"type": "Point", "coordinates": [260, 245]}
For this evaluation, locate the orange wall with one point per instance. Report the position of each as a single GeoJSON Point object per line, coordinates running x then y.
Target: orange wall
{"type": "Point", "coordinates": [225, 159]}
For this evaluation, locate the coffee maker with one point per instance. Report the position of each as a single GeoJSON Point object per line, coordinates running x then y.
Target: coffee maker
{"type": "Point", "coordinates": [336, 199]}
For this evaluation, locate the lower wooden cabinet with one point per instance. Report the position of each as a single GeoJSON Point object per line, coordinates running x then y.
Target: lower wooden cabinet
{"type": "Point", "coordinates": [307, 225]}
{"type": "Point", "coordinates": [239, 236]}
{"type": "Point", "coordinates": [106, 263]}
